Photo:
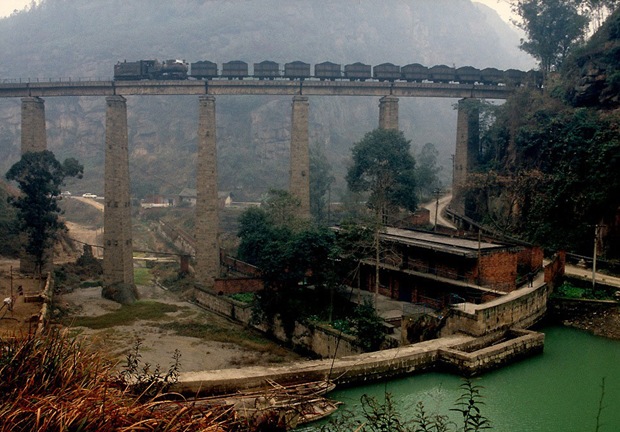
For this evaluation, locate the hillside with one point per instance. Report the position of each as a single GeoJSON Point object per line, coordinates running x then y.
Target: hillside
{"type": "Point", "coordinates": [73, 38]}
{"type": "Point", "coordinates": [550, 167]}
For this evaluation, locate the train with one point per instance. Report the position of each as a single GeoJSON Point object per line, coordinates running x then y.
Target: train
{"type": "Point", "coordinates": [326, 71]}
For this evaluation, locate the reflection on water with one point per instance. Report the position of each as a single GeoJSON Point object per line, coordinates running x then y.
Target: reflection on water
{"type": "Point", "coordinates": [557, 391]}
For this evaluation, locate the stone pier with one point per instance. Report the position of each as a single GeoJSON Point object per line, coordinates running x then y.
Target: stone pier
{"type": "Point", "coordinates": [34, 139]}
{"type": "Point", "coordinates": [118, 279]}
{"type": "Point", "coordinates": [388, 112]}
{"type": "Point", "coordinates": [207, 248]}
{"type": "Point", "coordinates": [300, 160]}
{"type": "Point", "coordinates": [467, 150]}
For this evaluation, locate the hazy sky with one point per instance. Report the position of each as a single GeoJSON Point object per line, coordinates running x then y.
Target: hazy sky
{"type": "Point", "coordinates": [501, 6]}
{"type": "Point", "coordinates": [8, 6]}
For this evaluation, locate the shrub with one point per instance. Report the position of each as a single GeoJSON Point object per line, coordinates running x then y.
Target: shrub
{"type": "Point", "coordinates": [52, 383]}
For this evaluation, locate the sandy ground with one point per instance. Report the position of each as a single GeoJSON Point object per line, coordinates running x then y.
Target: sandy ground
{"type": "Point", "coordinates": [158, 345]}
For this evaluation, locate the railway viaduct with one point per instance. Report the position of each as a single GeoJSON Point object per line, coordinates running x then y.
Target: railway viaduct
{"type": "Point", "coordinates": [117, 262]}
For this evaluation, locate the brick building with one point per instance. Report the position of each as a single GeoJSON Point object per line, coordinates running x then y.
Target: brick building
{"type": "Point", "coordinates": [438, 270]}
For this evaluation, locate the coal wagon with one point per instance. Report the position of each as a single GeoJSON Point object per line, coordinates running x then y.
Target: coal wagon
{"type": "Point", "coordinates": [297, 70]}
{"type": "Point", "coordinates": [358, 71]}
{"type": "Point", "coordinates": [203, 69]}
{"type": "Point", "coordinates": [327, 71]}
{"type": "Point", "coordinates": [386, 72]}
{"type": "Point", "coordinates": [235, 69]}
{"type": "Point", "coordinates": [267, 69]}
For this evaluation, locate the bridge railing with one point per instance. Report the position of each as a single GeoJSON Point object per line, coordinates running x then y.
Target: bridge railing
{"type": "Point", "coordinates": [52, 80]}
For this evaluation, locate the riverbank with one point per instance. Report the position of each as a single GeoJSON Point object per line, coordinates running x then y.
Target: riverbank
{"type": "Point", "coordinates": [604, 323]}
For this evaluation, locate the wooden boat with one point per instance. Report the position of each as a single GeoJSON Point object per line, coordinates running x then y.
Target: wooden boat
{"type": "Point", "coordinates": [287, 405]}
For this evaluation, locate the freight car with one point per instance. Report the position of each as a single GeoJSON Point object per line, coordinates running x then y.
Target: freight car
{"type": "Point", "coordinates": [327, 71]}
{"type": "Point", "coordinates": [357, 71]}
{"type": "Point", "coordinates": [492, 76]}
{"type": "Point", "coordinates": [235, 69]}
{"type": "Point", "coordinates": [442, 74]}
{"type": "Point", "coordinates": [467, 75]}
{"type": "Point", "coordinates": [203, 70]}
{"type": "Point", "coordinates": [386, 72]}
{"type": "Point", "coordinates": [297, 70]}
{"type": "Point", "coordinates": [267, 70]}
{"type": "Point", "coordinates": [414, 72]}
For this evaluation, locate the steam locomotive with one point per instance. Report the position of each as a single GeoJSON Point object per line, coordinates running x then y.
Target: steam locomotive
{"type": "Point", "coordinates": [298, 70]}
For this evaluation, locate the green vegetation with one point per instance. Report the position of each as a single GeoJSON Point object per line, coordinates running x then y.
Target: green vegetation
{"type": "Point", "coordinates": [9, 231]}
{"type": "Point", "coordinates": [127, 314]}
{"type": "Point", "coordinates": [142, 276]}
{"type": "Point", "coordinates": [321, 180]}
{"type": "Point", "coordinates": [384, 168]}
{"type": "Point", "coordinates": [39, 177]}
{"type": "Point", "coordinates": [568, 290]}
{"type": "Point", "coordinates": [549, 167]}
{"type": "Point", "coordinates": [243, 297]}
{"type": "Point", "coordinates": [552, 27]}
{"type": "Point", "coordinates": [427, 172]}
{"type": "Point", "coordinates": [226, 334]}
{"type": "Point", "coordinates": [387, 415]}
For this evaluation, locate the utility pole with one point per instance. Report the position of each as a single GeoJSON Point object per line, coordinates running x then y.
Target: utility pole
{"type": "Point", "coordinates": [596, 233]}
{"type": "Point", "coordinates": [437, 193]}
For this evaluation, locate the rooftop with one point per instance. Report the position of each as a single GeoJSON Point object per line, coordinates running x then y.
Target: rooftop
{"type": "Point", "coordinates": [440, 242]}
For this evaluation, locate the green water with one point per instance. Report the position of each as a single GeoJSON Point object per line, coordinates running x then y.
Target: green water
{"type": "Point", "coordinates": [557, 391]}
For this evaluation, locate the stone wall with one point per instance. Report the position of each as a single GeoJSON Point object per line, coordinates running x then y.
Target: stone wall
{"type": "Point", "coordinates": [323, 341]}
{"type": "Point", "coordinates": [463, 360]}
{"type": "Point", "coordinates": [445, 353]}
{"type": "Point", "coordinates": [46, 297]}
{"type": "Point", "coordinates": [554, 271]}
{"type": "Point", "coordinates": [238, 266]}
{"type": "Point", "coordinates": [177, 237]}
{"type": "Point", "coordinates": [238, 285]}
{"type": "Point", "coordinates": [522, 310]}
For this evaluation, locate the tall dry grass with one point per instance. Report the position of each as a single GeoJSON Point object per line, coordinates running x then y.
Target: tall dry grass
{"type": "Point", "coordinates": [52, 383]}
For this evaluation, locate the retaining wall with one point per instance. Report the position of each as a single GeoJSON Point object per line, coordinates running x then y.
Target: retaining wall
{"type": "Point", "coordinates": [444, 354]}
{"type": "Point", "coordinates": [463, 360]}
{"type": "Point", "coordinates": [519, 309]}
{"type": "Point", "coordinates": [321, 340]}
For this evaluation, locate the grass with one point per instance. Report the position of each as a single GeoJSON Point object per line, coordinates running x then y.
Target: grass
{"type": "Point", "coordinates": [243, 297]}
{"type": "Point", "coordinates": [142, 276]}
{"type": "Point", "coordinates": [232, 334]}
{"type": "Point", "coordinates": [126, 315]}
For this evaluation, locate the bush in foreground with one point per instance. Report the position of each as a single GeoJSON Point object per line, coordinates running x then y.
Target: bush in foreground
{"type": "Point", "coordinates": [52, 383]}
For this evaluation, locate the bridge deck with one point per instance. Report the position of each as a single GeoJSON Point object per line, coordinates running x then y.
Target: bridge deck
{"type": "Point", "coordinates": [253, 87]}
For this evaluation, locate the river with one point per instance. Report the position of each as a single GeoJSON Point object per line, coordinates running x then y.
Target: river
{"type": "Point", "coordinates": [557, 391]}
